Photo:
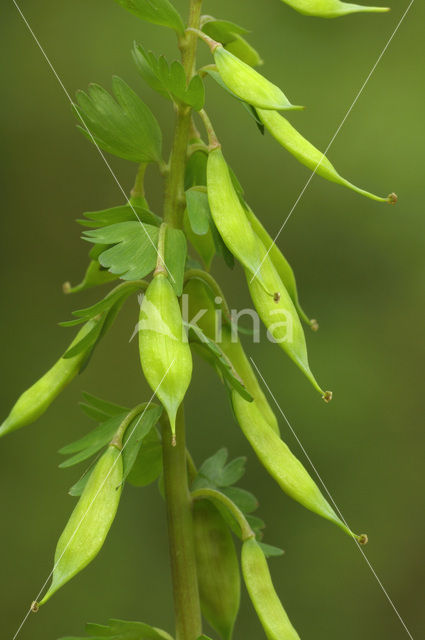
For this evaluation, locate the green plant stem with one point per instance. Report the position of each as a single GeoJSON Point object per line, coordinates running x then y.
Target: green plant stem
{"type": "Point", "coordinates": [177, 496]}
{"type": "Point", "coordinates": [216, 496]}
{"type": "Point", "coordinates": [180, 533]}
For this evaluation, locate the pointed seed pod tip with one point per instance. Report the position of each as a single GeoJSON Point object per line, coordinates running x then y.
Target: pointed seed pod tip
{"type": "Point", "coordinates": [363, 539]}
{"type": "Point", "coordinates": [327, 396]}
{"type": "Point", "coordinates": [34, 606]}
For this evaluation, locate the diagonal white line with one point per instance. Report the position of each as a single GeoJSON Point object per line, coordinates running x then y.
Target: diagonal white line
{"type": "Point", "coordinates": [372, 71]}
{"type": "Point", "coordinates": [91, 504]}
{"type": "Point", "coordinates": [333, 501]}
{"type": "Point", "coordinates": [102, 155]}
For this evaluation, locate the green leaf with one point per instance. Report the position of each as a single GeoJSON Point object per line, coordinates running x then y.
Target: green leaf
{"type": "Point", "coordinates": [256, 524]}
{"type": "Point", "coordinates": [175, 252]}
{"type": "Point", "coordinates": [216, 357]}
{"type": "Point", "coordinates": [270, 551]}
{"type": "Point", "coordinates": [124, 213]}
{"type": "Point", "coordinates": [169, 80]}
{"type": "Point", "coordinates": [108, 408]}
{"type": "Point", "coordinates": [204, 244]}
{"type": "Point", "coordinates": [135, 435]}
{"type": "Point", "coordinates": [134, 253]}
{"type": "Point", "coordinates": [196, 169]}
{"type": "Point", "coordinates": [198, 210]}
{"type": "Point", "coordinates": [160, 12]}
{"type": "Point", "coordinates": [223, 31]}
{"type": "Point", "coordinates": [233, 472]}
{"type": "Point", "coordinates": [92, 442]}
{"type": "Point", "coordinates": [125, 127]}
{"type": "Point", "coordinates": [148, 464]}
{"type": "Point", "coordinates": [95, 275]}
{"type": "Point", "coordinates": [120, 293]}
{"type": "Point", "coordinates": [88, 342]}
{"type": "Point", "coordinates": [212, 468]}
{"type": "Point", "coordinates": [243, 499]}
{"type": "Point", "coordinates": [77, 489]}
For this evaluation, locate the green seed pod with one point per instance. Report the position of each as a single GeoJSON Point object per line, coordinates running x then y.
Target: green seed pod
{"type": "Point", "coordinates": [281, 463]}
{"type": "Point", "coordinates": [330, 8]}
{"type": "Point", "coordinates": [229, 215]}
{"type": "Point", "coordinates": [307, 154]}
{"type": "Point", "coordinates": [270, 611]}
{"type": "Point", "coordinates": [164, 351]}
{"type": "Point", "coordinates": [217, 568]}
{"type": "Point", "coordinates": [199, 299]}
{"type": "Point", "coordinates": [241, 48]}
{"type": "Point", "coordinates": [281, 319]}
{"type": "Point", "coordinates": [36, 400]}
{"type": "Point", "coordinates": [281, 265]}
{"type": "Point", "coordinates": [246, 83]}
{"type": "Point", "coordinates": [89, 524]}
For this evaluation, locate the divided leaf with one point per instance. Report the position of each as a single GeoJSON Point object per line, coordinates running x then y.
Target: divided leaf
{"type": "Point", "coordinates": [123, 213]}
{"type": "Point", "coordinates": [136, 434]}
{"type": "Point", "coordinates": [148, 465]}
{"type": "Point", "coordinates": [134, 253]}
{"type": "Point", "coordinates": [124, 127]}
{"type": "Point", "coordinates": [160, 12]}
{"type": "Point", "coordinates": [169, 79]}
{"type": "Point", "coordinates": [123, 630]}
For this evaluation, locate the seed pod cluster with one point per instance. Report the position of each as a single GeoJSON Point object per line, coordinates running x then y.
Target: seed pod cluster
{"type": "Point", "coordinates": [217, 568]}
{"type": "Point", "coordinates": [89, 524]}
{"type": "Point", "coordinates": [37, 399]}
{"type": "Point", "coordinates": [270, 611]}
{"type": "Point", "coordinates": [164, 351]}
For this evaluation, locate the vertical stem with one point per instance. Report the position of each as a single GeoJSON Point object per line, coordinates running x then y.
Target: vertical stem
{"type": "Point", "coordinates": [179, 505]}
{"type": "Point", "coordinates": [180, 533]}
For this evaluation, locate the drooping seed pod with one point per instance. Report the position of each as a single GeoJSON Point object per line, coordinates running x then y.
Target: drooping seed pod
{"type": "Point", "coordinates": [281, 265]}
{"type": "Point", "coordinates": [164, 351]}
{"type": "Point", "coordinates": [89, 524]}
{"type": "Point", "coordinates": [330, 8]}
{"type": "Point", "coordinates": [229, 216]}
{"type": "Point", "coordinates": [217, 568]}
{"type": "Point", "coordinates": [270, 611]}
{"type": "Point", "coordinates": [282, 465]}
{"type": "Point", "coordinates": [36, 400]}
{"type": "Point", "coordinates": [281, 318]}
{"type": "Point", "coordinates": [200, 301]}
{"type": "Point", "coordinates": [307, 154]}
{"type": "Point", "coordinates": [246, 83]}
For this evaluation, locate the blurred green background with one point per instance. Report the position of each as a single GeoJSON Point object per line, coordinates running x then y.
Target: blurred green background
{"type": "Point", "coordinates": [360, 270]}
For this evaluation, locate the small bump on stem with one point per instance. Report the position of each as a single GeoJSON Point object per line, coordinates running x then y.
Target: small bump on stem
{"type": "Point", "coordinates": [314, 325]}
{"type": "Point", "coordinates": [276, 297]}
{"type": "Point", "coordinates": [327, 396]}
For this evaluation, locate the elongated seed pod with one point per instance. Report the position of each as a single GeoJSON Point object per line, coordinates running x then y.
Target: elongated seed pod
{"type": "Point", "coordinates": [247, 84]}
{"type": "Point", "coordinates": [307, 154]}
{"type": "Point", "coordinates": [281, 319]}
{"type": "Point", "coordinates": [270, 611]}
{"type": "Point", "coordinates": [281, 265]}
{"type": "Point", "coordinates": [200, 302]}
{"type": "Point", "coordinates": [281, 463]}
{"type": "Point", "coordinates": [330, 8]}
{"type": "Point", "coordinates": [229, 216]}
{"type": "Point", "coordinates": [164, 351]}
{"type": "Point", "coordinates": [36, 400]}
{"type": "Point", "coordinates": [217, 569]}
{"type": "Point", "coordinates": [89, 524]}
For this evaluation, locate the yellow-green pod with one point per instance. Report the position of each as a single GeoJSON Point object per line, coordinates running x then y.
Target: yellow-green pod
{"type": "Point", "coordinates": [217, 568]}
{"type": "Point", "coordinates": [229, 215]}
{"type": "Point", "coordinates": [199, 300]}
{"type": "Point", "coordinates": [164, 351]}
{"type": "Point", "coordinates": [244, 51]}
{"type": "Point", "coordinates": [330, 8]}
{"type": "Point", "coordinates": [89, 524]}
{"type": "Point", "coordinates": [258, 582]}
{"type": "Point", "coordinates": [280, 317]}
{"type": "Point", "coordinates": [36, 400]}
{"type": "Point", "coordinates": [236, 354]}
{"type": "Point", "coordinates": [281, 265]}
{"type": "Point", "coordinates": [246, 83]}
{"type": "Point", "coordinates": [282, 465]}
{"type": "Point", "coordinates": [307, 154]}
